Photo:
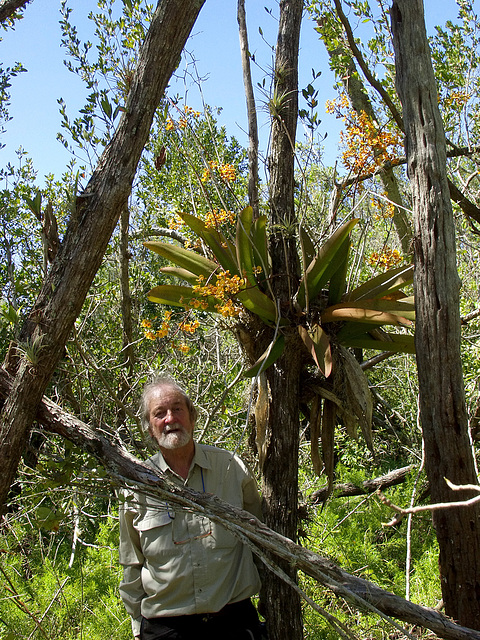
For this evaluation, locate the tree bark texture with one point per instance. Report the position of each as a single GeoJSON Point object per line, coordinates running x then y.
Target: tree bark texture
{"type": "Point", "coordinates": [448, 451]}
{"type": "Point", "coordinates": [253, 196]}
{"type": "Point", "coordinates": [8, 8]}
{"type": "Point", "coordinates": [280, 469]}
{"type": "Point", "coordinates": [90, 228]}
{"type": "Point", "coordinates": [124, 468]}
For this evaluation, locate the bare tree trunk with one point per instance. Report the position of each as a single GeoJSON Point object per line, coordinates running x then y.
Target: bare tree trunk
{"type": "Point", "coordinates": [251, 112]}
{"type": "Point", "coordinates": [280, 470]}
{"type": "Point", "coordinates": [127, 354]}
{"type": "Point", "coordinates": [448, 451]}
{"type": "Point", "coordinates": [90, 228]}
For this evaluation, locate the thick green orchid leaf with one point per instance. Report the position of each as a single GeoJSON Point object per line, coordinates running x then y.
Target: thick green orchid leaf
{"type": "Point", "coordinates": [383, 284]}
{"type": "Point", "coordinates": [244, 243]}
{"type": "Point", "coordinates": [268, 357]}
{"type": "Point", "coordinates": [397, 343]}
{"type": "Point", "coordinates": [318, 345]}
{"type": "Point", "coordinates": [261, 257]}
{"type": "Point", "coordinates": [324, 265]}
{"type": "Point", "coordinates": [352, 330]}
{"type": "Point", "coordinates": [183, 274]}
{"type": "Point", "coordinates": [371, 311]}
{"type": "Point", "coordinates": [338, 281]}
{"type": "Point", "coordinates": [184, 258]}
{"type": "Point", "coordinates": [181, 296]}
{"type": "Point", "coordinates": [306, 246]}
{"type": "Point", "coordinates": [221, 248]}
{"type": "Point", "coordinates": [254, 300]}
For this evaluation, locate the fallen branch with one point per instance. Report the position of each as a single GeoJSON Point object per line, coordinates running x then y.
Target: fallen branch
{"type": "Point", "coordinates": [348, 489]}
{"type": "Point", "coordinates": [124, 469]}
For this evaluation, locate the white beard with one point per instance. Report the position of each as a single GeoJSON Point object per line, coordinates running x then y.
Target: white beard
{"type": "Point", "coordinates": [173, 437]}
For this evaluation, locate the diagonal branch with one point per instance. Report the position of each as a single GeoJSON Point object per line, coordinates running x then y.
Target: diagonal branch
{"type": "Point", "coordinates": [8, 8]}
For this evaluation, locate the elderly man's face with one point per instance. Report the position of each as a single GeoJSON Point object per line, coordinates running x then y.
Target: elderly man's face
{"type": "Point", "coordinates": [169, 418]}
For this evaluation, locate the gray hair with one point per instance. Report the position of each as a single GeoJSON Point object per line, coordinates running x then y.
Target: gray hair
{"type": "Point", "coordinates": [156, 382]}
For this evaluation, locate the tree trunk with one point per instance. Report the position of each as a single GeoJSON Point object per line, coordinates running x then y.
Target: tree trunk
{"type": "Point", "coordinates": [89, 230]}
{"type": "Point", "coordinates": [280, 470]}
{"type": "Point", "coordinates": [253, 197]}
{"type": "Point", "coordinates": [127, 354]}
{"type": "Point", "coordinates": [448, 451]}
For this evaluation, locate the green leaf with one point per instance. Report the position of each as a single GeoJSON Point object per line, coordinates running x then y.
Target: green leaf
{"type": "Point", "coordinates": [107, 107]}
{"type": "Point", "coordinates": [306, 246]}
{"type": "Point", "coordinates": [254, 300]}
{"type": "Point", "coordinates": [188, 260]}
{"type": "Point", "coordinates": [183, 274]}
{"type": "Point", "coordinates": [261, 257]}
{"type": "Point", "coordinates": [338, 281]}
{"type": "Point", "coordinates": [46, 518]}
{"type": "Point", "coordinates": [318, 345]}
{"type": "Point", "coordinates": [396, 343]}
{"type": "Point", "coordinates": [323, 265]}
{"type": "Point", "coordinates": [35, 205]}
{"type": "Point", "coordinates": [244, 245]}
{"type": "Point", "coordinates": [376, 311]}
{"type": "Point", "coordinates": [221, 248]}
{"type": "Point", "coordinates": [383, 284]}
{"type": "Point", "coordinates": [179, 296]}
{"type": "Point", "coordinates": [268, 357]}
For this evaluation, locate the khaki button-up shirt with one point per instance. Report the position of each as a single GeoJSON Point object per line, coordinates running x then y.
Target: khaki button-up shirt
{"type": "Point", "coordinates": [176, 562]}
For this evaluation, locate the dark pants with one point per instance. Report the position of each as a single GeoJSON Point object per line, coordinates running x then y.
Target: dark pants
{"type": "Point", "coordinates": [237, 621]}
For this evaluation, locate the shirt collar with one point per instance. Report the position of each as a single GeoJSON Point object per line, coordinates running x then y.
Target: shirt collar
{"type": "Point", "coordinates": [199, 458]}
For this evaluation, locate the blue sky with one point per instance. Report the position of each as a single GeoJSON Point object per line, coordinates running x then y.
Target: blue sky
{"type": "Point", "coordinates": [214, 42]}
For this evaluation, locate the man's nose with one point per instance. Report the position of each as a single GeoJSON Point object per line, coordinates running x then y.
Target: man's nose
{"type": "Point", "coordinates": [168, 416]}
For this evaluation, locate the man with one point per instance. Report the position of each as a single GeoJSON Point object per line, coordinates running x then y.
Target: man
{"type": "Point", "coordinates": [185, 576]}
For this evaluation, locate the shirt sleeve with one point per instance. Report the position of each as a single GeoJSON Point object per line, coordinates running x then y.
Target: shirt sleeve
{"type": "Point", "coordinates": [131, 558]}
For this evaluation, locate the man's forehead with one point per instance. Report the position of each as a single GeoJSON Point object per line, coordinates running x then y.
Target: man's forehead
{"type": "Point", "coordinates": [166, 395]}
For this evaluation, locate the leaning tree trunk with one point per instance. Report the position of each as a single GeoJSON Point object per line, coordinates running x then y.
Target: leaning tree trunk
{"type": "Point", "coordinates": [89, 230]}
{"type": "Point", "coordinates": [448, 451]}
{"type": "Point", "coordinates": [280, 469]}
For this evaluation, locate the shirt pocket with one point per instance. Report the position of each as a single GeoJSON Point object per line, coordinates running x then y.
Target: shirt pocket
{"type": "Point", "coordinates": [221, 538]}
{"type": "Point", "coordinates": [155, 531]}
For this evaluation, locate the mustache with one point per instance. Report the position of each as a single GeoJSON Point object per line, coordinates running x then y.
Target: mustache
{"type": "Point", "coordinates": [173, 427]}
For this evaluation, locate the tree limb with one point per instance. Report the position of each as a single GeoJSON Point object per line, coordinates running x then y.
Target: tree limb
{"type": "Point", "coordinates": [251, 111]}
{"type": "Point", "coordinates": [348, 489]}
{"type": "Point", "coordinates": [8, 8]}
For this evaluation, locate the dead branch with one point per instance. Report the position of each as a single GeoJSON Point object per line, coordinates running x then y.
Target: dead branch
{"type": "Point", "coordinates": [438, 505]}
{"type": "Point", "coordinates": [348, 489]}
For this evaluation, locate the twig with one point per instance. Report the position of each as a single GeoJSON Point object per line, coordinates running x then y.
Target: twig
{"type": "Point", "coordinates": [439, 505]}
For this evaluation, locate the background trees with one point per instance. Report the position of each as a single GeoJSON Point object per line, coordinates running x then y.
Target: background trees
{"type": "Point", "coordinates": [190, 166]}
